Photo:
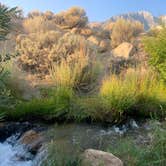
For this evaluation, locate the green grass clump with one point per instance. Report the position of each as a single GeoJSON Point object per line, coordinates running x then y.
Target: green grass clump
{"type": "Point", "coordinates": [78, 73]}
{"type": "Point", "coordinates": [55, 107]}
{"type": "Point", "coordinates": [153, 154]}
{"type": "Point", "coordinates": [58, 155]}
{"type": "Point", "coordinates": [137, 92]}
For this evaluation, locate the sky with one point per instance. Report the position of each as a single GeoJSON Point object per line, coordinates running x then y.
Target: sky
{"type": "Point", "coordinates": [97, 10]}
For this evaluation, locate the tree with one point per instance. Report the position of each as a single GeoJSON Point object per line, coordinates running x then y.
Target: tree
{"type": "Point", "coordinates": [6, 15]}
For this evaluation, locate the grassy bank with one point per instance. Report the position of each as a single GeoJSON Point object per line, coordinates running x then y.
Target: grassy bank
{"type": "Point", "coordinates": [136, 93]}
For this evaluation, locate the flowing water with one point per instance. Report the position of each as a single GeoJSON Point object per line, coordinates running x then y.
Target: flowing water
{"type": "Point", "coordinates": [83, 135]}
{"type": "Point", "coordinates": [14, 154]}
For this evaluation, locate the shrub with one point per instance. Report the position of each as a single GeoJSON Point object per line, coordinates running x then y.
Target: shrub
{"type": "Point", "coordinates": [38, 24]}
{"type": "Point", "coordinates": [155, 46]}
{"type": "Point", "coordinates": [39, 50]}
{"type": "Point", "coordinates": [35, 49]}
{"type": "Point", "coordinates": [67, 45]}
{"type": "Point", "coordinates": [34, 13]}
{"type": "Point", "coordinates": [124, 31]}
{"type": "Point", "coordinates": [74, 17]}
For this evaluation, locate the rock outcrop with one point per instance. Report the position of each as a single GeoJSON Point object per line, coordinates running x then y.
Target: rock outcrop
{"type": "Point", "coordinates": [146, 18]}
{"type": "Point", "coordinates": [124, 50]}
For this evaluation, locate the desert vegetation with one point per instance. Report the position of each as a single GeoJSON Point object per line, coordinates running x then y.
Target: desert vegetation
{"type": "Point", "coordinates": [125, 31]}
{"type": "Point", "coordinates": [77, 83]}
{"type": "Point", "coordinates": [64, 69]}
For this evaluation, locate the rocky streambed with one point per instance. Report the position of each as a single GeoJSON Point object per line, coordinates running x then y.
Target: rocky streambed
{"type": "Point", "coordinates": [25, 144]}
{"type": "Point", "coordinates": [21, 144]}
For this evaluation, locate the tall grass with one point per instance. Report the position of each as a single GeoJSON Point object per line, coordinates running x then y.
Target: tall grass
{"type": "Point", "coordinates": [77, 71]}
{"type": "Point", "coordinates": [136, 92]}
{"type": "Point", "coordinates": [59, 155]}
{"type": "Point", "coordinates": [55, 107]}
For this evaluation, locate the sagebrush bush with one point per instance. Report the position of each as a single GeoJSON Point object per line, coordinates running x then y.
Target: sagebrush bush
{"type": "Point", "coordinates": [38, 24]}
{"type": "Point", "coordinates": [39, 50]}
{"type": "Point", "coordinates": [35, 49]}
{"type": "Point", "coordinates": [155, 46]}
{"type": "Point", "coordinates": [68, 45]}
{"type": "Point", "coordinates": [73, 17]}
{"type": "Point", "coordinates": [124, 31]}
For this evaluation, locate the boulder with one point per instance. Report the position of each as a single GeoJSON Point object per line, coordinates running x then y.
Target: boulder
{"type": "Point", "coordinates": [124, 50]}
{"type": "Point", "coordinates": [97, 158]}
{"type": "Point", "coordinates": [32, 141]}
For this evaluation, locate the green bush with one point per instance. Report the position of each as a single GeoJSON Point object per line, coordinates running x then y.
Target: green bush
{"type": "Point", "coordinates": [155, 46]}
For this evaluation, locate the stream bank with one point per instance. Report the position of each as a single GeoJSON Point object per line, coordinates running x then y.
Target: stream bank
{"type": "Point", "coordinates": [26, 144]}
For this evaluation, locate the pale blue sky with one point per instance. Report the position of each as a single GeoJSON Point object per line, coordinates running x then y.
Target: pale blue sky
{"type": "Point", "coordinates": [97, 10]}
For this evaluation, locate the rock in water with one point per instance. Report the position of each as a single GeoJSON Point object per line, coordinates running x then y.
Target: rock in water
{"type": "Point", "coordinates": [32, 140]}
{"type": "Point", "coordinates": [124, 50]}
{"type": "Point", "coordinates": [97, 158]}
